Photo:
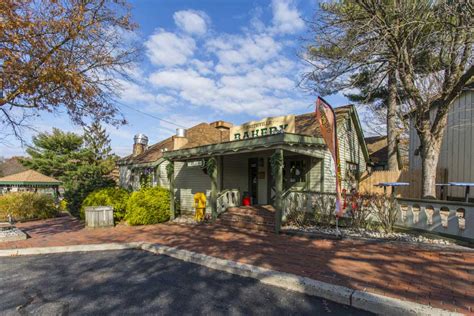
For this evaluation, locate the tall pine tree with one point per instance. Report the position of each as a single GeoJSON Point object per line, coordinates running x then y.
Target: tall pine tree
{"type": "Point", "coordinates": [97, 140]}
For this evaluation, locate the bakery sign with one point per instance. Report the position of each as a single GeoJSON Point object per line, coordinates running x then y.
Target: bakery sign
{"type": "Point", "coordinates": [267, 126]}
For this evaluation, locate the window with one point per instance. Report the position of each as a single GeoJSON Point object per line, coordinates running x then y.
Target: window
{"type": "Point", "coordinates": [294, 173]}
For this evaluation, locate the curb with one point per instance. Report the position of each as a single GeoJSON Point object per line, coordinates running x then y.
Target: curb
{"type": "Point", "coordinates": [65, 249]}
{"type": "Point", "coordinates": [359, 299]}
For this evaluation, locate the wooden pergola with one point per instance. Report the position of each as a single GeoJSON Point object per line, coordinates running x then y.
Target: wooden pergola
{"type": "Point", "coordinates": [29, 180]}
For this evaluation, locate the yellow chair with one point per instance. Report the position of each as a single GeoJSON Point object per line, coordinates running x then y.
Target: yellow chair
{"type": "Point", "coordinates": [200, 206]}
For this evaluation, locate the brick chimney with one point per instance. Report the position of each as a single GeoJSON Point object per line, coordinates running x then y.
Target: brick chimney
{"type": "Point", "coordinates": [140, 144]}
{"type": "Point", "coordinates": [221, 125]}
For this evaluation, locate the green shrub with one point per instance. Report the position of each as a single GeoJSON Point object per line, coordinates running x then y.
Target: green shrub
{"type": "Point", "coordinates": [78, 190]}
{"type": "Point", "coordinates": [148, 206]}
{"type": "Point", "coordinates": [27, 205]}
{"type": "Point", "coordinates": [115, 197]}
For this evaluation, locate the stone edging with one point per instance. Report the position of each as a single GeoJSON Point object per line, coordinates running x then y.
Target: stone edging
{"type": "Point", "coordinates": [359, 299]}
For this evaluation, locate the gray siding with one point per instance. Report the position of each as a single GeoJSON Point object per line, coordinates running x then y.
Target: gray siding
{"type": "Point", "coordinates": [161, 175]}
{"type": "Point", "coordinates": [235, 172]}
{"type": "Point", "coordinates": [189, 181]}
{"type": "Point", "coordinates": [457, 147]}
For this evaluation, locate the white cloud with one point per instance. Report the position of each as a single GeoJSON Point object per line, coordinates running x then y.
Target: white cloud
{"type": "Point", "coordinates": [181, 79]}
{"type": "Point", "coordinates": [249, 73]}
{"type": "Point", "coordinates": [192, 22]}
{"type": "Point", "coordinates": [169, 49]}
{"type": "Point", "coordinates": [286, 18]}
{"type": "Point", "coordinates": [164, 98]}
{"type": "Point", "coordinates": [242, 50]}
{"type": "Point", "coordinates": [133, 93]}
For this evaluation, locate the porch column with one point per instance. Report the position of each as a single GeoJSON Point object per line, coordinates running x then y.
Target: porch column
{"type": "Point", "coordinates": [278, 170]}
{"type": "Point", "coordinates": [213, 173]}
{"type": "Point", "coordinates": [170, 171]}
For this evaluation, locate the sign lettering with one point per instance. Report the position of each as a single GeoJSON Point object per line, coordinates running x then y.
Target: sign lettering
{"type": "Point", "coordinates": [267, 126]}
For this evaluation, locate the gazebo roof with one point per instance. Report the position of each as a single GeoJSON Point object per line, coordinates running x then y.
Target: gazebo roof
{"type": "Point", "coordinates": [29, 178]}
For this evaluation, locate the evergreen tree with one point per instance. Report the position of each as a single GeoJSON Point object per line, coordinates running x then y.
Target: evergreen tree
{"type": "Point", "coordinates": [63, 155]}
{"type": "Point", "coordinates": [97, 140]}
{"type": "Point", "coordinates": [58, 154]}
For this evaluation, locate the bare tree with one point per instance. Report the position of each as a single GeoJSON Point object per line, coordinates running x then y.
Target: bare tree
{"type": "Point", "coordinates": [432, 43]}
{"type": "Point", "coordinates": [345, 54]}
{"type": "Point", "coordinates": [62, 55]}
{"type": "Point", "coordinates": [427, 42]}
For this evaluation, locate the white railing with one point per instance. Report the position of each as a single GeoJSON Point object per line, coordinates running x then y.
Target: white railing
{"type": "Point", "coordinates": [227, 198]}
{"type": "Point", "coordinates": [445, 217]}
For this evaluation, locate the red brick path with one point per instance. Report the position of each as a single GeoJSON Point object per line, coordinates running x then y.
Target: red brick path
{"type": "Point", "coordinates": [440, 277]}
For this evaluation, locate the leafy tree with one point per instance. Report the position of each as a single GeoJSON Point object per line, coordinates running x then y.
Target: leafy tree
{"type": "Point", "coordinates": [428, 42]}
{"type": "Point", "coordinates": [62, 55]}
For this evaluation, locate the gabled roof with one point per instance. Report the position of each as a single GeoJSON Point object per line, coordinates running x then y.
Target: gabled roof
{"type": "Point", "coordinates": [29, 177]}
{"type": "Point", "coordinates": [306, 124]}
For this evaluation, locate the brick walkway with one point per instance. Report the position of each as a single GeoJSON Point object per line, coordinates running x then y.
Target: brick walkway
{"type": "Point", "coordinates": [439, 277]}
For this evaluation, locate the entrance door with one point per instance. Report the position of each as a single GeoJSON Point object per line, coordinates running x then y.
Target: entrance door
{"type": "Point", "coordinates": [253, 179]}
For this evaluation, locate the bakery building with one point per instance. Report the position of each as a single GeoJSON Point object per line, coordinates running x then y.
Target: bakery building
{"type": "Point", "coordinates": [261, 160]}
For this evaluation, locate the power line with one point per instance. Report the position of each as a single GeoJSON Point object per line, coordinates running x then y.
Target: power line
{"type": "Point", "coordinates": [151, 115]}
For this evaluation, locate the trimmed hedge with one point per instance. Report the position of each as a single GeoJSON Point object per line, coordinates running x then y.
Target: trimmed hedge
{"type": "Point", "coordinates": [27, 206]}
{"type": "Point", "coordinates": [148, 206]}
{"type": "Point", "coordinates": [115, 197]}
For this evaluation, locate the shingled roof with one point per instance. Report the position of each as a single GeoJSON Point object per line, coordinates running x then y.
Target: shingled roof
{"type": "Point", "coordinates": [205, 134]}
{"type": "Point", "coordinates": [378, 148]}
{"type": "Point", "coordinates": [199, 135]}
{"type": "Point", "coordinates": [29, 177]}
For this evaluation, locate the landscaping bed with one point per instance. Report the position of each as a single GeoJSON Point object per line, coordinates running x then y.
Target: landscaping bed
{"type": "Point", "coordinates": [11, 233]}
{"type": "Point", "coordinates": [353, 233]}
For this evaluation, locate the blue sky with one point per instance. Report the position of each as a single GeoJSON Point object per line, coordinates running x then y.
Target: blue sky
{"type": "Point", "coordinates": [203, 61]}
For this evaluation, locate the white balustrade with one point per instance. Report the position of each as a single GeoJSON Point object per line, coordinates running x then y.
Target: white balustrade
{"type": "Point", "coordinates": [227, 198]}
{"type": "Point", "coordinates": [445, 217]}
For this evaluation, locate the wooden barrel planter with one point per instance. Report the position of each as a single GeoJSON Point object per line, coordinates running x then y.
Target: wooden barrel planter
{"type": "Point", "coordinates": [99, 216]}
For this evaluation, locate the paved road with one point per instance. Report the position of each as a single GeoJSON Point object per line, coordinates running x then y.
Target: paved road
{"type": "Point", "coordinates": [137, 282]}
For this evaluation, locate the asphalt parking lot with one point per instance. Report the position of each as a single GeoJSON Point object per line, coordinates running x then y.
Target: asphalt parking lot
{"type": "Point", "coordinates": [137, 282]}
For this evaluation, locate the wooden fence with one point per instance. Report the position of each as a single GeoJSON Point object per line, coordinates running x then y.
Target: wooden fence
{"type": "Point", "coordinates": [413, 191]}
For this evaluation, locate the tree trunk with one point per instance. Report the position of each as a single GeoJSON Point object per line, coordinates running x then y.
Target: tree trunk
{"type": "Point", "coordinates": [392, 133]}
{"type": "Point", "coordinates": [429, 162]}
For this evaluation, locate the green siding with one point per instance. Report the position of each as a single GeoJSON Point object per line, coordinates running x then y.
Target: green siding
{"type": "Point", "coordinates": [189, 181]}
{"type": "Point", "coordinates": [350, 150]}
{"type": "Point", "coordinates": [315, 180]}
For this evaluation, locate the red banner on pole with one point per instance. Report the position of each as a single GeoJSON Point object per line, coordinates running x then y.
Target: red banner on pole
{"type": "Point", "coordinates": [328, 127]}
